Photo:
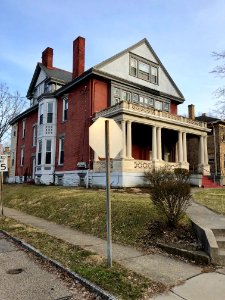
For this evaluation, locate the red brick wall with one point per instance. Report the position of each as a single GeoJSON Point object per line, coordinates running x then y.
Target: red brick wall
{"type": "Point", "coordinates": [173, 108]}
{"type": "Point", "coordinates": [75, 129]}
{"type": "Point", "coordinates": [27, 142]}
{"type": "Point", "coordinates": [84, 100]}
{"type": "Point", "coordinates": [100, 95]}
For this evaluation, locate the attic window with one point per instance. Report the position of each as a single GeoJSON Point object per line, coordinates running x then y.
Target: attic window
{"type": "Point", "coordinates": [143, 69]}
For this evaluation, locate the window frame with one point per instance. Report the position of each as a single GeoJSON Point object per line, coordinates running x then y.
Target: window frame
{"type": "Point", "coordinates": [34, 140]}
{"type": "Point", "coordinates": [50, 114]}
{"type": "Point", "coordinates": [41, 116]}
{"type": "Point", "coordinates": [154, 79]}
{"type": "Point", "coordinates": [23, 128]}
{"type": "Point", "coordinates": [22, 156]}
{"type": "Point", "coordinates": [65, 109]}
{"type": "Point", "coordinates": [39, 154]}
{"type": "Point", "coordinates": [48, 153]}
{"type": "Point", "coordinates": [61, 150]}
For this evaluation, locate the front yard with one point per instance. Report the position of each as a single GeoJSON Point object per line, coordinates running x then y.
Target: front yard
{"type": "Point", "coordinates": [212, 198]}
{"type": "Point", "coordinates": [84, 209]}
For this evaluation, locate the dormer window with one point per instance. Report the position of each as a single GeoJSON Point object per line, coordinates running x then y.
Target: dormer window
{"type": "Point", "coordinates": [143, 69]}
{"type": "Point", "coordinates": [133, 66]}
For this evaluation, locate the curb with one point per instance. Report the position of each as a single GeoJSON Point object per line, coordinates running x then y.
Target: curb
{"type": "Point", "coordinates": [89, 285]}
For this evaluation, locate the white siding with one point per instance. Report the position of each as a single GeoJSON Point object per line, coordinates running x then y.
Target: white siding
{"type": "Point", "coordinates": [120, 68]}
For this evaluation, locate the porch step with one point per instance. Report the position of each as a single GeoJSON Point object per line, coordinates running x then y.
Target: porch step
{"type": "Point", "coordinates": [221, 258]}
{"type": "Point", "coordinates": [209, 183]}
{"type": "Point", "coordinates": [219, 233]}
{"type": "Point", "coordinates": [221, 242]}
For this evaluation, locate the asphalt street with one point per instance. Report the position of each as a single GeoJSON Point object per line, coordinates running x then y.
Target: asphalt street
{"type": "Point", "coordinates": [23, 278]}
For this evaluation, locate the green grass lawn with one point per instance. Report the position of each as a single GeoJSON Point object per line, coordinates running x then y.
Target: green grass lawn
{"type": "Point", "coordinates": [212, 198]}
{"type": "Point", "coordinates": [84, 209]}
{"type": "Point", "coordinates": [117, 280]}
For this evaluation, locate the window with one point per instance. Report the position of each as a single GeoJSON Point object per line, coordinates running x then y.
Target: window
{"type": "Point", "coordinates": [34, 135]}
{"type": "Point", "coordinates": [158, 105]}
{"type": "Point", "coordinates": [61, 150]}
{"type": "Point", "coordinates": [41, 113]}
{"type": "Point", "coordinates": [50, 113]}
{"type": "Point", "coordinates": [65, 109]}
{"type": "Point", "coordinates": [48, 152]}
{"type": "Point", "coordinates": [133, 66]}
{"type": "Point", "coordinates": [143, 69]}
{"type": "Point", "coordinates": [154, 74]}
{"type": "Point", "coordinates": [39, 152]}
{"type": "Point", "coordinates": [22, 156]}
{"type": "Point", "coordinates": [14, 130]}
{"type": "Point", "coordinates": [23, 128]}
{"type": "Point", "coordinates": [125, 96]}
{"type": "Point", "coordinates": [166, 106]}
{"type": "Point", "coordinates": [13, 159]}
{"type": "Point", "coordinates": [135, 97]}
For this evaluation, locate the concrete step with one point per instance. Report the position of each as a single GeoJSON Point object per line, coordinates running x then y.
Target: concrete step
{"type": "Point", "coordinates": [221, 257]}
{"type": "Point", "coordinates": [221, 242]}
{"type": "Point", "coordinates": [219, 232]}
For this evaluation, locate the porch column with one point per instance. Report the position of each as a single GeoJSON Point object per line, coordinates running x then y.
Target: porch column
{"type": "Point", "coordinates": [154, 145]}
{"type": "Point", "coordinates": [123, 127]}
{"type": "Point", "coordinates": [185, 146]}
{"type": "Point", "coordinates": [180, 147]}
{"type": "Point", "coordinates": [201, 150]}
{"type": "Point", "coordinates": [159, 144]}
{"type": "Point", "coordinates": [129, 140]}
{"type": "Point", "coordinates": [206, 159]}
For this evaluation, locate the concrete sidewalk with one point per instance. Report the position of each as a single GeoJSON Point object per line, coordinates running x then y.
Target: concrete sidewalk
{"type": "Point", "coordinates": [206, 217]}
{"type": "Point", "coordinates": [197, 285]}
{"type": "Point", "coordinates": [155, 266]}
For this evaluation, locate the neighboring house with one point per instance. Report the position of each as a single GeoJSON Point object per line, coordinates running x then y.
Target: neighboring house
{"type": "Point", "coordinates": [132, 87]}
{"type": "Point", "coordinates": [216, 144]}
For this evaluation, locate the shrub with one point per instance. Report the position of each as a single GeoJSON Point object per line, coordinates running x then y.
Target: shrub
{"type": "Point", "coordinates": [170, 193]}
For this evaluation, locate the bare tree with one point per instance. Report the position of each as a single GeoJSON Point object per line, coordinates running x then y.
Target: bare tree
{"type": "Point", "coordinates": [10, 106]}
{"type": "Point", "coordinates": [219, 71]}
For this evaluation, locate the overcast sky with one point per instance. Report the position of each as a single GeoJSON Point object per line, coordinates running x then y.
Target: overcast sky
{"type": "Point", "coordinates": [183, 33]}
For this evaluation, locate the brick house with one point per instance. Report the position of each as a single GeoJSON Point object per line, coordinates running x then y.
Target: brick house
{"type": "Point", "coordinates": [216, 144]}
{"type": "Point", "coordinates": [132, 87]}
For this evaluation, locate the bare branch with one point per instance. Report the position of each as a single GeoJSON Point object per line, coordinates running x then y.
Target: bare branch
{"type": "Point", "coordinates": [10, 106]}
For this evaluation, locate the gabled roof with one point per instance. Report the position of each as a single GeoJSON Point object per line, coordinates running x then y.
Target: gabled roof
{"type": "Point", "coordinates": [130, 49]}
{"type": "Point", "coordinates": [55, 74]}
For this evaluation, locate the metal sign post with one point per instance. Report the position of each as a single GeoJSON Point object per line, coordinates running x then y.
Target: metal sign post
{"type": "Point", "coordinates": [1, 198]}
{"type": "Point", "coordinates": [3, 167]}
{"type": "Point", "coordinates": [108, 201]}
{"type": "Point", "coordinates": [106, 139]}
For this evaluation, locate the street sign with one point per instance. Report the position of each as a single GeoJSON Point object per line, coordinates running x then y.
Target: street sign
{"type": "Point", "coordinates": [97, 137]}
{"type": "Point", "coordinates": [3, 163]}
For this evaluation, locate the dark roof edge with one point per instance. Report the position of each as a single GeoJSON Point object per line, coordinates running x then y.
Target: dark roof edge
{"type": "Point", "coordinates": [73, 82]}
{"type": "Point", "coordinates": [23, 114]}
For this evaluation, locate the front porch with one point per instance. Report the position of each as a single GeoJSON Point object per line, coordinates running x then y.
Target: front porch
{"type": "Point", "coordinates": [153, 139]}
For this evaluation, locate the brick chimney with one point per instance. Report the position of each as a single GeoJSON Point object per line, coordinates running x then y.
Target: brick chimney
{"type": "Point", "coordinates": [78, 56]}
{"type": "Point", "coordinates": [191, 111]}
{"type": "Point", "coordinates": [47, 58]}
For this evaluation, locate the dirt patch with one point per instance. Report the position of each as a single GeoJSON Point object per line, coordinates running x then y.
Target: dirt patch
{"type": "Point", "coordinates": [182, 237]}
